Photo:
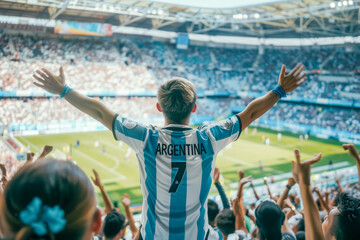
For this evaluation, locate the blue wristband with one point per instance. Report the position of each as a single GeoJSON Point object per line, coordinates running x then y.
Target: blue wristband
{"type": "Point", "coordinates": [278, 90]}
{"type": "Point", "coordinates": [65, 91]}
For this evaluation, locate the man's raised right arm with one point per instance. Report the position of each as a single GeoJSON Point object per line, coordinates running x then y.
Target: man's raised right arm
{"type": "Point", "coordinates": [56, 85]}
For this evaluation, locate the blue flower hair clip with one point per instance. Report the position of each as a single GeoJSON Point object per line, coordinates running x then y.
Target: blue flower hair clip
{"type": "Point", "coordinates": [43, 218]}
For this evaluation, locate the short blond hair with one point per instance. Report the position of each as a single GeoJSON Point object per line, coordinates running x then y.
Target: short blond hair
{"type": "Point", "coordinates": [177, 98]}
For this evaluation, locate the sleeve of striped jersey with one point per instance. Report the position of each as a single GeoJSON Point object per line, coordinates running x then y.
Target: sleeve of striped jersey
{"type": "Point", "coordinates": [130, 132]}
{"type": "Point", "coordinates": [225, 132]}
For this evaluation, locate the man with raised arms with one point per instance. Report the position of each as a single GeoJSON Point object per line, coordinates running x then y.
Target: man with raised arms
{"type": "Point", "coordinates": [176, 162]}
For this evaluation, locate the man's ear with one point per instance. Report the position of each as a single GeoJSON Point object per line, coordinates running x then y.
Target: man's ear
{"type": "Point", "coordinates": [96, 224]}
{"type": "Point", "coordinates": [194, 108]}
{"type": "Point", "coordinates": [158, 107]}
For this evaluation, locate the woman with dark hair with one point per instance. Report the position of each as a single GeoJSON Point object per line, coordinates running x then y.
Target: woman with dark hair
{"type": "Point", "coordinates": [49, 199]}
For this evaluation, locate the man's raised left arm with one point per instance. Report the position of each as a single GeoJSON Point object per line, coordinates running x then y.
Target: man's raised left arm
{"type": "Point", "coordinates": [286, 84]}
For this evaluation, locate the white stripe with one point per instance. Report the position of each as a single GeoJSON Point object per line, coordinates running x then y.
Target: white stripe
{"type": "Point", "coordinates": [135, 144]}
{"type": "Point", "coordinates": [163, 183]}
{"type": "Point", "coordinates": [194, 175]}
{"type": "Point", "coordinates": [140, 157]}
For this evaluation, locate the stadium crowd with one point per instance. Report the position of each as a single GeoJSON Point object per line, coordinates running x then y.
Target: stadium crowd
{"type": "Point", "coordinates": [47, 197]}
{"type": "Point", "coordinates": [32, 111]}
{"type": "Point", "coordinates": [143, 65]}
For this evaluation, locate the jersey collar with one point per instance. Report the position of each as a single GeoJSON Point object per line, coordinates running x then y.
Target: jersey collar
{"type": "Point", "coordinates": [177, 127]}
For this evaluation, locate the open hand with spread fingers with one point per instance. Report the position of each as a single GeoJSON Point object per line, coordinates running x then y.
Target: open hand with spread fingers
{"type": "Point", "coordinates": [49, 81]}
{"type": "Point", "coordinates": [294, 79]}
{"type": "Point", "coordinates": [301, 170]}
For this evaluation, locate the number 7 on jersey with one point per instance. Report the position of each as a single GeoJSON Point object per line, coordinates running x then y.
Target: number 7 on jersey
{"type": "Point", "coordinates": [181, 166]}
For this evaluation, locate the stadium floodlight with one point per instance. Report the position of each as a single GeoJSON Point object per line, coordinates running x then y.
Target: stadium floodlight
{"type": "Point", "coordinates": [339, 4]}
{"type": "Point", "coordinates": [245, 16]}
{"type": "Point", "coordinates": [332, 5]}
{"type": "Point", "coordinates": [160, 12]}
{"type": "Point", "coordinates": [256, 15]}
{"type": "Point", "coordinates": [154, 12]}
{"type": "Point", "coordinates": [345, 3]}
{"type": "Point", "coordinates": [238, 16]}
{"type": "Point", "coordinates": [350, 2]}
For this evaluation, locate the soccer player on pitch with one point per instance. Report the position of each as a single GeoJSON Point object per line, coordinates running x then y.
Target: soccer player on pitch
{"type": "Point", "coordinates": [176, 162]}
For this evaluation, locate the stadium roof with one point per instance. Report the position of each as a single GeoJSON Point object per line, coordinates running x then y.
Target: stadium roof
{"type": "Point", "coordinates": [216, 4]}
{"type": "Point", "coordinates": [256, 18]}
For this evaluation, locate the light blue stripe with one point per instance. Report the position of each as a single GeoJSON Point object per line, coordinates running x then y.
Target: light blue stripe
{"type": "Point", "coordinates": [150, 183]}
{"type": "Point", "coordinates": [138, 132]}
{"type": "Point", "coordinates": [178, 199]}
{"type": "Point", "coordinates": [207, 160]}
{"type": "Point", "coordinates": [220, 133]}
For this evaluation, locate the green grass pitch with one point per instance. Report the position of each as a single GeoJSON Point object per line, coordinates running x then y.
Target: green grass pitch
{"type": "Point", "coordinates": [121, 174]}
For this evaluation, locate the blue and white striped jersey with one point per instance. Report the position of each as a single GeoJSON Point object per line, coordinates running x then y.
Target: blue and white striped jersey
{"type": "Point", "coordinates": [176, 166]}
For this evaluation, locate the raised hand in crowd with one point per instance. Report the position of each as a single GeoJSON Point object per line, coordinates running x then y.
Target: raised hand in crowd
{"type": "Point", "coordinates": [238, 206]}
{"type": "Point", "coordinates": [340, 188]}
{"type": "Point", "coordinates": [107, 202]}
{"type": "Point", "coordinates": [125, 200]}
{"type": "Point", "coordinates": [30, 157]}
{"type": "Point", "coordinates": [216, 175]}
{"type": "Point", "coordinates": [354, 154]}
{"type": "Point", "coordinates": [254, 191]}
{"type": "Point", "coordinates": [301, 173]}
{"type": "Point", "coordinates": [323, 204]}
{"type": "Point", "coordinates": [267, 187]}
{"type": "Point", "coordinates": [284, 195]}
{"type": "Point", "coordinates": [288, 204]}
{"type": "Point", "coordinates": [219, 187]}
{"type": "Point", "coordinates": [241, 173]}
{"type": "Point", "coordinates": [47, 149]}
{"type": "Point", "coordinates": [4, 180]}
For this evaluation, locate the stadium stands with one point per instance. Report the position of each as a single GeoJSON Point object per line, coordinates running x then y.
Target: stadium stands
{"type": "Point", "coordinates": [139, 66]}
{"type": "Point", "coordinates": [142, 65]}
{"type": "Point", "coordinates": [99, 67]}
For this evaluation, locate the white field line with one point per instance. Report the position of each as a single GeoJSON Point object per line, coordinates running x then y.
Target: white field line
{"type": "Point", "coordinates": [100, 164]}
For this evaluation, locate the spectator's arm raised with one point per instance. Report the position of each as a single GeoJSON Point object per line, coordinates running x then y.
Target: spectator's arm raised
{"type": "Point", "coordinates": [354, 154]}
{"type": "Point", "coordinates": [301, 173]}
{"type": "Point", "coordinates": [125, 200]}
{"type": "Point", "coordinates": [238, 206]}
{"type": "Point", "coordinates": [107, 202]}
{"type": "Point", "coordinates": [220, 189]}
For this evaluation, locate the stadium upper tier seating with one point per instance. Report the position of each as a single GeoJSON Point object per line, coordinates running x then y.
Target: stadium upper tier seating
{"type": "Point", "coordinates": [139, 65]}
